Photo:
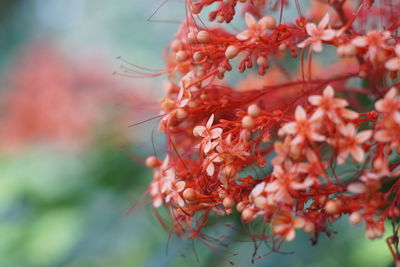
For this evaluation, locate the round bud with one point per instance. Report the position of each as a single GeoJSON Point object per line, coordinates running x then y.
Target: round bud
{"type": "Point", "coordinates": [240, 206]}
{"type": "Point", "coordinates": [355, 218]}
{"type": "Point", "coordinates": [203, 37]}
{"type": "Point", "coordinates": [191, 37]}
{"type": "Point", "coordinates": [231, 52]}
{"type": "Point", "coordinates": [182, 56]}
{"type": "Point", "coordinates": [189, 194]}
{"type": "Point", "coordinates": [254, 110]}
{"type": "Point", "coordinates": [248, 122]}
{"type": "Point", "coordinates": [267, 22]}
{"type": "Point", "coordinates": [261, 61]}
{"type": "Point", "coordinates": [350, 50]}
{"type": "Point", "coordinates": [220, 19]}
{"type": "Point", "coordinates": [198, 56]}
{"type": "Point", "coordinates": [340, 51]}
{"type": "Point", "coordinates": [228, 211]}
{"type": "Point", "coordinates": [282, 47]}
{"type": "Point", "coordinates": [176, 45]}
{"type": "Point", "coordinates": [309, 227]}
{"type": "Point", "coordinates": [152, 162]}
{"type": "Point", "coordinates": [228, 202]}
{"type": "Point", "coordinates": [332, 207]}
{"type": "Point", "coordinates": [247, 215]}
{"type": "Point", "coordinates": [181, 114]}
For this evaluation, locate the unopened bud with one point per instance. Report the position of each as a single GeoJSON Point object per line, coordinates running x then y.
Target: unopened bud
{"type": "Point", "coordinates": [231, 52]}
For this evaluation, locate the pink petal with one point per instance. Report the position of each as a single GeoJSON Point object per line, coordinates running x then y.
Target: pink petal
{"type": "Point", "coordinates": [324, 22]}
{"type": "Point", "coordinates": [290, 128]}
{"type": "Point", "coordinates": [207, 147]}
{"type": "Point", "coordinates": [382, 136]}
{"type": "Point", "coordinates": [179, 186]}
{"type": "Point", "coordinates": [215, 133]}
{"type": "Point", "coordinates": [300, 114]}
{"type": "Point", "coordinates": [157, 202]}
{"type": "Point", "coordinates": [316, 46]}
{"type": "Point", "coordinates": [304, 43]}
{"type": "Point", "coordinates": [397, 50]}
{"type": "Point", "coordinates": [364, 136]}
{"type": "Point", "coordinates": [311, 29]}
{"type": "Point", "coordinates": [329, 92]}
{"type": "Point", "coordinates": [342, 157]}
{"type": "Point", "coordinates": [272, 187]}
{"type": "Point", "coordinates": [349, 114]}
{"type": "Point", "coordinates": [199, 131]}
{"type": "Point", "coordinates": [360, 41]}
{"type": "Point", "coordinates": [328, 35]}
{"type": "Point", "coordinates": [356, 188]}
{"type": "Point", "coordinates": [317, 115]}
{"type": "Point", "coordinates": [290, 235]}
{"type": "Point", "coordinates": [250, 20]}
{"type": "Point", "coordinates": [179, 200]}
{"type": "Point", "coordinates": [317, 137]}
{"type": "Point", "coordinates": [393, 64]}
{"type": "Point", "coordinates": [315, 99]}
{"type": "Point", "coordinates": [258, 189]}
{"type": "Point", "coordinates": [396, 117]}
{"type": "Point", "coordinates": [244, 35]}
{"type": "Point", "coordinates": [210, 169]}
{"type": "Point", "coordinates": [357, 153]}
{"type": "Point", "coordinates": [210, 121]}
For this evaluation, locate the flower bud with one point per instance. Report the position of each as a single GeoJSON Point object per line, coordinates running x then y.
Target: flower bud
{"type": "Point", "coordinates": [189, 194]}
{"type": "Point", "coordinates": [152, 162]}
{"type": "Point", "coordinates": [191, 37]}
{"type": "Point", "coordinates": [231, 52]}
{"type": "Point", "coordinates": [247, 215]}
{"type": "Point", "coordinates": [268, 22]}
{"type": "Point", "coordinates": [203, 37]}
{"type": "Point", "coordinates": [355, 218]}
{"type": "Point", "coordinates": [182, 56]}
{"type": "Point", "coordinates": [254, 110]}
{"type": "Point", "coordinates": [181, 114]}
{"type": "Point", "coordinates": [198, 56]}
{"type": "Point", "coordinates": [332, 207]}
{"type": "Point", "coordinates": [176, 45]}
{"type": "Point", "coordinates": [228, 202]}
{"type": "Point", "coordinates": [248, 122]}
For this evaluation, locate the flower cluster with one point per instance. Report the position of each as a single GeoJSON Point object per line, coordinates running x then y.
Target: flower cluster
{"type": "Point", "coordinates": [296, 147]}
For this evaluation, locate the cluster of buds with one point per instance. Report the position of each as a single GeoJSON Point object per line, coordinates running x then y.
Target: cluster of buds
{"type": "Point", "coordinates": [295, 146]}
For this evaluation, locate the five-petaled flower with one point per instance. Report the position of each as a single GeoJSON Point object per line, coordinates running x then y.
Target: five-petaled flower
{"type": "Point", "coordinates": [318, 34]}
{"type": "Point", "coordinates": [254, 29]}
{"type": "Point", "coordinates": [350, 143]}
{"type": "Point", "coordinates": [374, 41]}
{"type": "Point", "coordinates": [208, 135]}
{"type": "Point", "coordinates": [303, 129]}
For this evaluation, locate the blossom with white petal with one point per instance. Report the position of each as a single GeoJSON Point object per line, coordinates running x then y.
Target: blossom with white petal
{"type": "Point", "coordinates": [374, 41]}
{"type": "Point", "coordinates": [208, 135]}
{"type": "Point", "coordinates": [318, 34]}
{"type": "Point", "coordinates": [331, 107]}
{"type": "Point", "coordinates": [303, 129]}
{"type": "Point", "coordinates": [254, 29]}
{"type": "Point", "coordinates": [350, 143]}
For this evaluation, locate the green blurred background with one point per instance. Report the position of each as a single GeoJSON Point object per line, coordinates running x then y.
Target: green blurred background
{"type": "Point", "coordinates": [70, 167]}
